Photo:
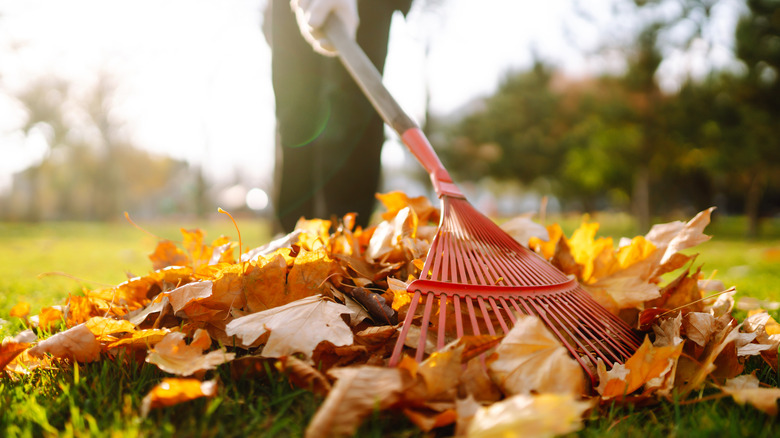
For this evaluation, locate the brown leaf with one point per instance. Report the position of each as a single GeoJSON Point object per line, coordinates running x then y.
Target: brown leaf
{"type": "Point", "coordinates": [172, 391]}
{"type": "Point", "coordinates": [745, 389]}
{"type": "Point", "coordinates": [305, 376]}
{"type": "Point", "coordinates": [77, 343]}
{"type": "Point", "coordinates": [295, 328]}
{"type": "Point", "coordinates": [357, 393]}
{"type": "Point", "coordinates": [699, 327]}
{"type": "Point", "coordinates": [530, 359]}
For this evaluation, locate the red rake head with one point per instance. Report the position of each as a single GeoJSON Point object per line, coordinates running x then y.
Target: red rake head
{"type": "Point", "coordinates": [477, 272]}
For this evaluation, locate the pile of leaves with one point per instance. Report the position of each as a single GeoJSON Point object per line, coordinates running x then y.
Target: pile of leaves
{"type": "Point", "coordinates": [324, 303]}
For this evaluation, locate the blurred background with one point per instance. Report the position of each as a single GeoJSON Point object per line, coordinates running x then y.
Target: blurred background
{"type": "Point", "coordinates": [164, 109]}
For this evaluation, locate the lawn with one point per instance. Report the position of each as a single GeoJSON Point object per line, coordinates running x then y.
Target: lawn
{"type": "Point", "coordinates": [103, 398]}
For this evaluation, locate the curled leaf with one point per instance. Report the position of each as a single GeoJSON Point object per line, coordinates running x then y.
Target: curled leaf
{"type": "Point", "coordinates": [173, 391]}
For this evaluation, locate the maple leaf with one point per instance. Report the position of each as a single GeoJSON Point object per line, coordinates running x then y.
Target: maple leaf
{"type": "Point", "coordinates": [530, 359]}
{"type": "Point", "coordinates": [308, 275]}
{"type": "Point", "coordinates": [745, 389]}
{"type": "Point", "coordinates": [168, 254]}
{"type": "Point", "coordinates": [535, 416]}
{"type": "Point", "coordinates": [77, 343]}
{"type": "Point", "coordinates": [396, 201]}
{"type": "Point", "coordinates": [676, 236]}
{"type": "Point", "coordinates": [172, 391]}
{"type": "Point", "coordinates": [357, 393]}
{"type": "Point", "coordinates": [265, 283]}
{"type": "Point", "coordinates": [649, 365]}
{"type": "Point", "coordinates": [297, 327]}
{"type": "Point", "coordinates": [173, 355]}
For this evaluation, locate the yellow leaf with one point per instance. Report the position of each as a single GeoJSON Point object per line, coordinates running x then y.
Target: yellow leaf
{"type": "Point", "coordinates": [547, 248]}
{"type": "Point", "coordinates": [170, 392]}
{"type": "Point", "coordinates": [265, 283]}
{"type": "Point", "coordinates": [141, 338]}
{"type": "Point", "coordinates": [529, 416]}
{"type": "Point", "coordinates": [308, 274]}
{"type": "Point", "coordinates": [20, 310]}
{"type": "Point", "coordinates": [101, 327]}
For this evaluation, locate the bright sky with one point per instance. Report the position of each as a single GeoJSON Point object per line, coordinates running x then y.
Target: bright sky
{"type": "Point", "coordinates": [194, 75]}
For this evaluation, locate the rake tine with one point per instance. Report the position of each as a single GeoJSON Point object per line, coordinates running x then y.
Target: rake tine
{"type": "Point", "coordinates": [486, 316]}
{"type": "Point", "coordinates": [458, 317]}
{"type": "Point", "coordinates": [498, 314]}
{"type": "Point", "coordinates": [592, 321]}
{"type": "Point", "coordinates": [442, 320]}
{"type": "Point", "coordinates": [509, 312]}
{"type": "Point", "coordinates": [473, 317]}
{"type": "Point", "coordinates": [399, 345]}
{"type": "Point", "coordinates": [609, 320]}
{"type": "Point", "coordinates": [424, 327]}
{"type": "Point", "coordinates": [555, 313]}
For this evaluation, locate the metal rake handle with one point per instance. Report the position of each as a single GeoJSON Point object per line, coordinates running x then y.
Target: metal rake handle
{"type": "Point", "coordinates": [369, 80]}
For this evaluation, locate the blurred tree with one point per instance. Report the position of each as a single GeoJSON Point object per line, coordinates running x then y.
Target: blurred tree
{"type": "Point", "coordinates": [754, 161]}
{"type": "Point", "coordinates": [513, 136]}
{"type": "Point", "coordinates": [44, 102]}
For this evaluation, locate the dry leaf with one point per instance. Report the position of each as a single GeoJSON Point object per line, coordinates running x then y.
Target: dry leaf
{"type": "Point", "coordinates": [173, 355]}
{"type": "Point", "coordinates": [529, 416]}
{"type": "Point", "coordinates": [530, 359]}
{"type": "Point", "coordinates": [77, 343]}
{"type": "Point", "coordinates": [168, 254]}
{"type": "Point", "coordinates": [397, 201]}
{"type": "Point", "coordinates": [9, 351]}
{"type": "Point", "coordinates": [745, 389]}
{"type": "Point", "coordinates": [523, 229]}
{"type": "Point", "coordinates": [102, 327]}
{"type": "Point", "coordinates": [649, 365]}
{"type": "Point", "coordinates": [304, 375]}
{"type": "Point", "coordinates": [357, 393]}
{"type": "Point", "coordinates": [297, 327]}
{"type": "Point", "coordinates": [141, 339]}
{"type": "Point", "coordinates": [677, 236]}
{"type": "Point", "coordinates": [173, 391]}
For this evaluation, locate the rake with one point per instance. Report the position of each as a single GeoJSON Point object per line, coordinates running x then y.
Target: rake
{"type": "Point", "coordinates": [476, 277]}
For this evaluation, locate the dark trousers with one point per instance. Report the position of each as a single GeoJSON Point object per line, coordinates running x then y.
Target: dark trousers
{"type": "Point", "coordinates": [329, 137]}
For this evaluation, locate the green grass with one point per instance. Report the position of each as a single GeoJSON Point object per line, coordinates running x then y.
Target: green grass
{"type": "Point", "coordinates": [104, 398]}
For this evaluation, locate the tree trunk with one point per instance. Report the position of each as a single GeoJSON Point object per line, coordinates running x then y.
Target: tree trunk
{"type": "Point", "coordinates": [753, 203]}
{"type": "Point", "coordinates": [641, 198]}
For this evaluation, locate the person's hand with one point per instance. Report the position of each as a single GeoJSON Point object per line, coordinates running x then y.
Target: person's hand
{"type": "Point", "coordinates": [311, 16]}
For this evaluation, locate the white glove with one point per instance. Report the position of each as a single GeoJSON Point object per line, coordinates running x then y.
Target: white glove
{"type": "Point", "coordinates": [311, 15]}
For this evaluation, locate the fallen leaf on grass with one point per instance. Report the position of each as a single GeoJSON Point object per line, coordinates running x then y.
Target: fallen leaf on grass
{"type": "Point", "coordinates": [357, 393]}
{"type": "Point", "coordinates": [651, 366]}
{"type": "Point", "coordinates": [9, 351]}
{"type": "Point", "coordinates": [77, 343]}
{"type": "Point", "coordinates": [173, 391]}
{"type": "Point", "coordinates": [529, 416]}
{"type": "Point", "coordinates": [102, 327]}
{"type": "Point", "coordinates": [141, 338]}
{"type": "Point", "coordinates": [745, 389]}
{"type": "Point", "coordinates": [531, 359]}
{"type": "Point", "coordinates": [297, 327]}
{"type": "Point", "coordinates": [173, 355]}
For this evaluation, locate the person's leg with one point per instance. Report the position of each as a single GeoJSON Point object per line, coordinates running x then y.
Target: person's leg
{"type": "Point", "coordinates": [353, 141]}
{"type": "Point", "coordinates": [301, 115]}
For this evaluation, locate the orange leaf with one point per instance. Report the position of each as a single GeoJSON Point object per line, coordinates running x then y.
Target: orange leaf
{"type": "Point", "coordinates": [173, 355]}
{"type": "Point", "coordinates": [308, 275]}
{"type": "Point", "coordinates": [9, 351]}
{"type": "Point", "coordinates": [397, 201]}
{"type": "Point", "coordinates": [265, 283]}
{"type": "Point", "coordinates": [646, 364]}
{"type": "Point", "coordinates": [141, 338]}
{"type": "Point", "coordinates": [168, 254]}
{"type": "Point", "coordinates": [49, 317]}
{"type": "Point", "coordinates": [170, 392]}
{"type": "Point", "coordinates": [20, 310]}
